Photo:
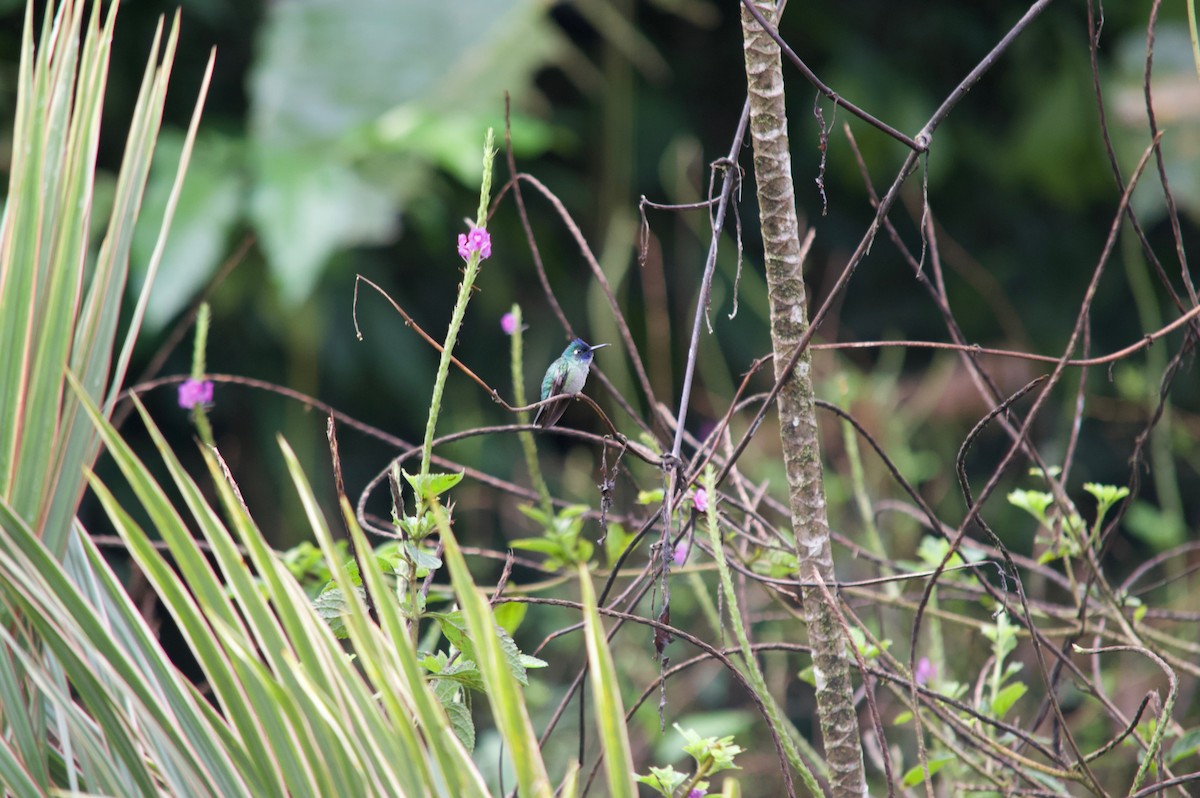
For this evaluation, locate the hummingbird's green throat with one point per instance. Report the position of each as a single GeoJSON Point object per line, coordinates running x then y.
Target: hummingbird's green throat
{"type": "Point", "coordinates": [565, 377]}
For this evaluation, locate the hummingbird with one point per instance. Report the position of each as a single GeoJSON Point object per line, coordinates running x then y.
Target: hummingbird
{"type": "Point", "coordinates": [566, 375]}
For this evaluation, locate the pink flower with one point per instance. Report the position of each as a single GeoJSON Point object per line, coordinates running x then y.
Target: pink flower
{"type": "Point", "coordinates": [925, 670]}
{"type": "Point", "coordinates": [478, 240]}
{"type": "Point", "coordinates": [194, 392]}
{"type": "Point", "coordinates": [508, 323]}
{"type": "Point", "coordinates": [700, 500]}
{"type": "Point", "coordinates": [680, 554]}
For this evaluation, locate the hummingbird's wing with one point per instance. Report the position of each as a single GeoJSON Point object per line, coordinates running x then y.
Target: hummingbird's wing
{"type": "Point", "coordinates": [548, 415]}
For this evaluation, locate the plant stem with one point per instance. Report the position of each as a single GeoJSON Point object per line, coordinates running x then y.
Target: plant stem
{"type": "Point", "coordinates": [460, 309]}
{"type": "Point", "coordinates": [526, 437]}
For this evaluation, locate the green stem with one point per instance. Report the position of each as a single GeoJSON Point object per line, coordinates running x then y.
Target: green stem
{"type": "Point", "coordinates": [525, 436]}
{"type": "Point", "coordinates": [753, 671]}
{"type": "Point", "coordinates": [460, 310]}
{"type": "Point", "coordinates": [199, 416]}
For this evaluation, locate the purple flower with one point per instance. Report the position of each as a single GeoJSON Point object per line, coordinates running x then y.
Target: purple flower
{"type": "Point", "coordinates": [925, 670]}
{"type": "Point", "coordinates": [680, 555]}
{"type": "Point", "coordinates": [700, 500]}
{"type": "Point", "coordinates": [508, 323]}
{"type": "Point", "coordinates": [696, 793]}
{"type": "Point", "coordinates": [478, 240]}
{"type": "Point", "coordinates": [193, 392]}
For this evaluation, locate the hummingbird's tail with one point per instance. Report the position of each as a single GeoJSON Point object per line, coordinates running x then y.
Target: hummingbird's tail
{"type": "Point", "coordinates": [549, 414]}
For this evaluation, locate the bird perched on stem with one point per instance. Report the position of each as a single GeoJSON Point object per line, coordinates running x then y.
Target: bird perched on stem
{"type": "Point", "coordinates": [565, 376]}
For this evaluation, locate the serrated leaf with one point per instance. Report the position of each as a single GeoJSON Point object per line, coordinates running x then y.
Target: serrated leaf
{"type": "Point", "coordinates": [460, 720]}
{"type": "Point", "coordinates": [512, 656]}
{"type": "Point", "coordinates": [1033, 502]}
{"type": "Point", "coordinates": [664, 780]}
{"type": "Point", "coordinates": [432, 485]}
{"type": "Point", "coordinates": [331, 607]}
{"type": "Point", "coordinates": [454, 628]}
{"type": "Point", "coordinates": [462, 672]}
{"type": "Point", "coordinates": [424, 560]}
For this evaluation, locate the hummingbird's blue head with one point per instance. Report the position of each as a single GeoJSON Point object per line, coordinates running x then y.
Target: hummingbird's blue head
{"type": "Point", "coordinates": [580, 352]}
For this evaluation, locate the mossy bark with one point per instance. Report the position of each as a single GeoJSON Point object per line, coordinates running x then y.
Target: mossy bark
{"type": "Point", "coordinates": [783, 257]}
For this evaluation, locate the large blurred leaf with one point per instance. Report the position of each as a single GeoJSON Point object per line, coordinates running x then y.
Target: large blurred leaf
{"type": "Point", "coordinates": [210, 205]}
{"type": "Point", "coordinates": [328, 71]}
{"type": "Point", "coordinates": [307, 207]}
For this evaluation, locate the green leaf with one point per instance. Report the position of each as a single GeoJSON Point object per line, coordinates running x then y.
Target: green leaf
{"type": "Point", "coordinates": [461, 722]}
{"type": "Point", "coordinates": [1007, 696]}
{"type": "Point", "coordinates": [1106, 495]}
{"type": "Point", "coordinates": [336, 88]}
{"type": "Point", "coordinates": [331, 607]}
{"type": "Point", "coordinates": [616, 542]}
{"type": "Point", "coordinates": [541, 545]}
{"type": "Point", "coordinates": [916, 775]}
{"type": "Point", "coordinates": [1160, 530]}
{"type": "Point", "coordinates": [650, 496]}
{"type": "Point", "coordinates": [867, 650]}
{"type": "Point", "coordinates": [664, 780]}
{"type": "Point", "coordinates": [60, 300]}
{"type": "Point", "coordinates": [423, 559]}
{"type": "Point", "coordinates": [508, 705]}
{"type": "Point", "coordinates": [1034, 502]}
{"type": "Point", "coordinates": [416, 527]}
{"type": "Point", "coordinates": [606, 696]}
{"type": "Point", "coordinates": [1003, 635]}
{"type": "Point", "coordinates": [1187, 745]}
{"type": "Point", "coordinates": [305, 207]}
{"type": "Point", "coordinates": [432, 485]}
{"type": "Point", "coordinates": [510, 615]}
{"type": "Point", "coordinates": [462, 637]}
{"type": "Point", "coordinates": [713, 754]}
{"type": "Point", "coordinates": [932, 551]}
{"type": "Point", "coordinates": [462, 671]}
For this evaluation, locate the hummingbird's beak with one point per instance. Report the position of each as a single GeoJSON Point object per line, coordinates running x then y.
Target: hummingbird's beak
{"type": "Point", "coordinates": [597, 346]}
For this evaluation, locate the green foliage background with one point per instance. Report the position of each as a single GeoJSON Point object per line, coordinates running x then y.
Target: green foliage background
{"type": "Point", "coordinates": [343, 138]}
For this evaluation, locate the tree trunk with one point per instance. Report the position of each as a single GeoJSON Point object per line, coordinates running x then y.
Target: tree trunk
{"type": "Point", "coordinates": [783, 259]}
